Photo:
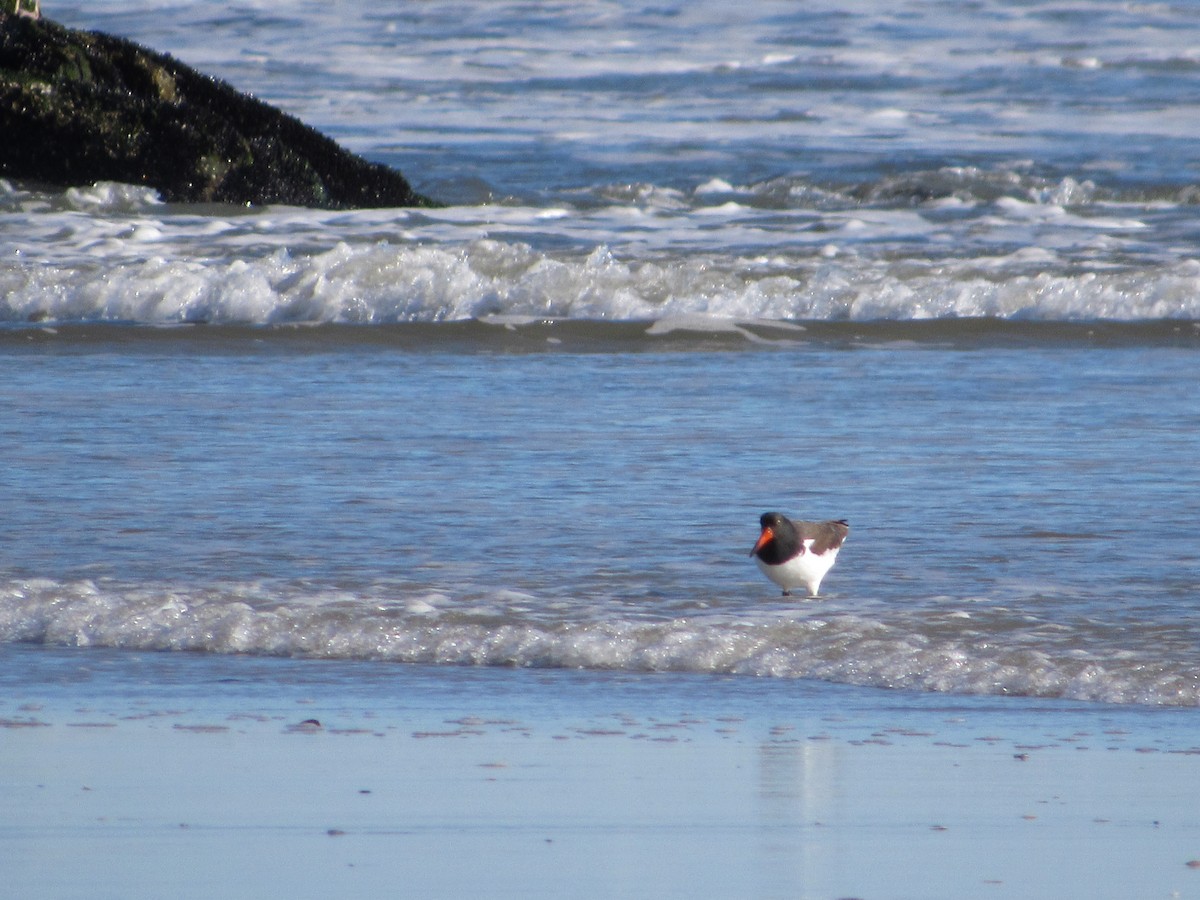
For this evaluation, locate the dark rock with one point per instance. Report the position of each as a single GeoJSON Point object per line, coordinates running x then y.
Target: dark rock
{"type": "Point", "coordinates": [79, 107]}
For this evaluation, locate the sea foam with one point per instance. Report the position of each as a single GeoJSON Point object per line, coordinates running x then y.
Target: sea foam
{"type": "Point", "coordinates": [383, 283]}
{"type": "Point", "coordinates": [857, 648]}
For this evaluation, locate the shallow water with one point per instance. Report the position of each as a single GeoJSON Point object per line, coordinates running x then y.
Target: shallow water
{"type": "Point", "coordinates": [929, 268]}
{"type": "Point", "coordinates": [596, 509]}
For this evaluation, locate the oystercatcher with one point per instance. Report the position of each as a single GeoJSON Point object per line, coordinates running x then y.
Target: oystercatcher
{"type": "Point", "coordinates": [792, 554]}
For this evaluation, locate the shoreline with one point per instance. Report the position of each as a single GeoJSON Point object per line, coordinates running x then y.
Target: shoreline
{"type": "Point", "coordinates": [148, 775]}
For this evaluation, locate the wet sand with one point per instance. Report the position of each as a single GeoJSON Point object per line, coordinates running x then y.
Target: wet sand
{"type": "Point", "coordinates": [402, 781]}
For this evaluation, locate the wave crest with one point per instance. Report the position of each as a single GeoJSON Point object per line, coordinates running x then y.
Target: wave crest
{"type": "Point", "coordinates": [381, 283]}
{"type": "Point", "coordinates": [843, 647]}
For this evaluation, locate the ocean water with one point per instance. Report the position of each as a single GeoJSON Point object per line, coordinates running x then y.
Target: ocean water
{"type": "Point", "coordinates": [929, 267]}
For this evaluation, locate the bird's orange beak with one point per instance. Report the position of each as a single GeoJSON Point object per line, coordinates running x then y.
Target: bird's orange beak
{"type": "Point", "coordinates": [763, 539]}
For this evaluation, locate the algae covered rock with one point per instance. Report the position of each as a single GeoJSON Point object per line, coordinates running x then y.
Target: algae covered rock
{"type": "Point", "coordinates": [79, 107]}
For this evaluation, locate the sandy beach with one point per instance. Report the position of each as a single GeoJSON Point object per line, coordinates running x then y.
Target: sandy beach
{"type": "Point", "coordinates": [173, 775]}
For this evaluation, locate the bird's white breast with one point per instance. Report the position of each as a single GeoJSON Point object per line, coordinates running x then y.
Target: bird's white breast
{"type": "Point", "coordinates": [805, 570]}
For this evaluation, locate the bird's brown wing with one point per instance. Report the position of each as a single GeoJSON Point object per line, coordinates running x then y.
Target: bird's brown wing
{"type": "Point", "coordinates": [824, 535]}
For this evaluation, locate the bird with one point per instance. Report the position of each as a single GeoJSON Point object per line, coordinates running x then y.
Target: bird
{"type": "Point", "coordinates": [792, 554]}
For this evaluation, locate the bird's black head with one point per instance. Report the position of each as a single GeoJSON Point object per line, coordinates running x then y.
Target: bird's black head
{"type": "Point", "coordinates": [778, 540]}
{"type": "Point", "coordinates": [771, 519]}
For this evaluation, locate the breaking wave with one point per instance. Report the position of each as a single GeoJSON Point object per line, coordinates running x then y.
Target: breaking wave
{"type": "Point", "coordinates": [948, 243]}
{"type": "Point", "coordinates": [380, 284]}
{"type": "Point", "coordinates": [951, 649]}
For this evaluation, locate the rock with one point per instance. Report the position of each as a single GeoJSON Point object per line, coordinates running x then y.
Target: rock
{"type": "Point", "coordinates": [80, 107]}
